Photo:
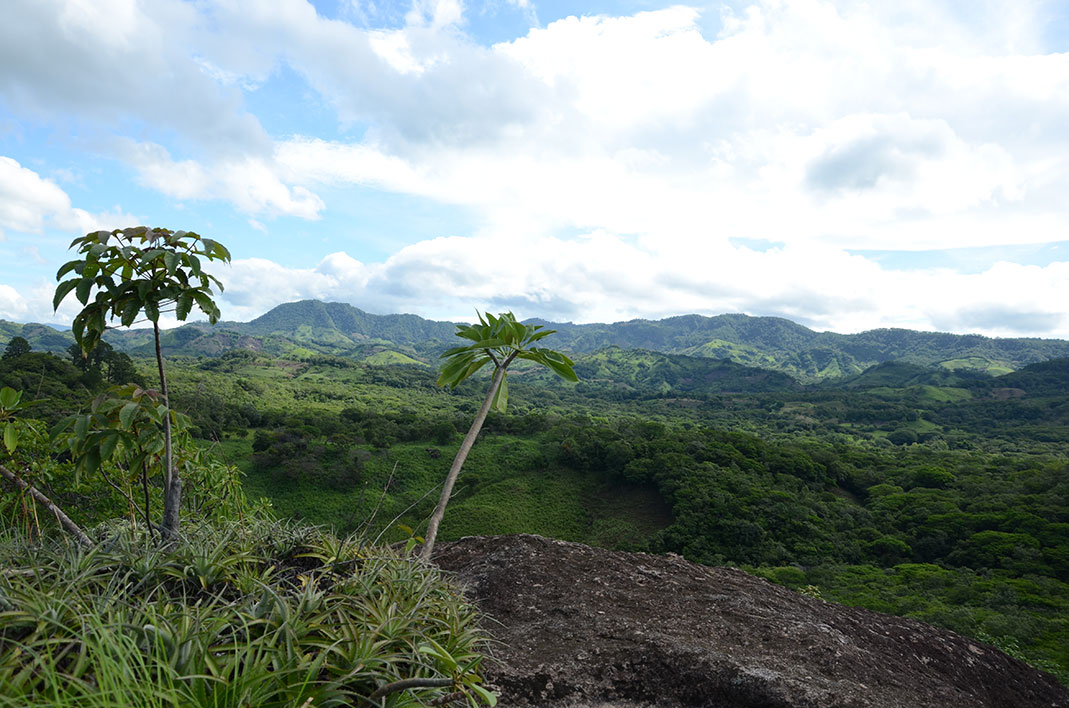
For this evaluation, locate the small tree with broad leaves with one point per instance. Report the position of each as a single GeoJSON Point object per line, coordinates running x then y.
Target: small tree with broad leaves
{"type": "Point", "coordinates": [499, 341]}
{"type": "Point", "coordinates": [126, 273]}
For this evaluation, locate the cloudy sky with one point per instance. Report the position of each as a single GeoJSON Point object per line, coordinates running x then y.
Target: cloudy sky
{"type": "Point", "coordinates": [845, 164]}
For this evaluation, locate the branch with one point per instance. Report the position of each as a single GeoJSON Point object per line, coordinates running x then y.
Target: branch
{"type": "Point", "coordinates": [64, 520]}
{"type": "Point", "coordinates": [405, 684]}
{"type": "Point", "coordinates": [133, 504]}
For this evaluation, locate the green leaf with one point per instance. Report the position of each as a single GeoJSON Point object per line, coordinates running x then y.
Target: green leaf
{"type": "Point", "coordinates": [170, 260]}
{"type": "Point", "coordinates": [129, 311]}
{"type": "Point", "coordinates": [67, 268]}
{"type": "Point", "coordinates": [152, 311]}
{"type": "Point", "coordinates": [81, 427]}
{"type": "Point", "coordinates": [11, 437]}
{"type": "Point", "coordinates": [183, 305]}
{"type": "Point", "coordinates": [501, 397]}
{"type": "Point", "coordinates": [488, 696]}
{"type": "Point", "coordinates": [107, 445]}
{"type": "Point", "coordinates": [92, 460]}
{"type": "Point", "coordinates": [126, 415]}
{"type": "Point", "coordinates": [82, 289]}
{"type": "Point", "coordinates": [62, 290]}
{"type": "Point", "coordinates": [9, 397]}
{"type": "Point", "coordinates": [60, 427]}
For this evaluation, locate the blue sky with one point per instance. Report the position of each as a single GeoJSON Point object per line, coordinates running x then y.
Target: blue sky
{"type": "Point", "coordinates": [845, 164]}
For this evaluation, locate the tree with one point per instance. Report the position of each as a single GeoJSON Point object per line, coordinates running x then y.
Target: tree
{"type": "Point", "coordinates": [120, 367]}
{"type": "Point", "coordinates": [500, 341]}
{"type": "Point", "coordinates": [16, 347]}
{"type": "Point", "coordinates": [127, 272]}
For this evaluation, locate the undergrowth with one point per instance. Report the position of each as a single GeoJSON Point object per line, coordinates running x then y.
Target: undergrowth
{"type": "Point", "coordinates": [257, 614]}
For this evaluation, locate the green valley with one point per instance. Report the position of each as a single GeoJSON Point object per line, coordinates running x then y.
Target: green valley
{"type": "Point", "coordinates": [912, 487]}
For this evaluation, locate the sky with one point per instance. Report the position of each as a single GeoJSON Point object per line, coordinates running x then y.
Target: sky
{"type": "Point", "coordinates": [846, 164]}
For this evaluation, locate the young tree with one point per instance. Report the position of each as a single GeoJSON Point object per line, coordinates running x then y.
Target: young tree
{"type": "Point", "coordinates": [500, 341]}
{"type": "Point", "coordinates": [127, 272]}
{"type": "Point", "coordinates": [16, 347]}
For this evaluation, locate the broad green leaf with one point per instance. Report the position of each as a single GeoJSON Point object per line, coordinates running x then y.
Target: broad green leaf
{"type": "Point", "coordinates": [81, 427]}
{"type": "Point", "coordinates": [501, 398]}
{"type": "Point", "coordinates": [152, 311]}
{"type": "Point", "coordinates": [11, 437]}
{"type": "Point", "coordinates": [81, 291]}
{"type": "Point", "coordinates": [67, 268]}
{"type": "Point", "coordinates": [107, 444]}
{"type": "Point", "coordinates": [126, 415]}
{"type": "Point", "coordinates": [62, 290]}
{"type": "Point", "coordinates": [170, 260]}
{"type": "Point", "coordinates": [91, 460]}
{"type": "Point", "coordinates": [183, 305]}
{"type": "Point", "coordinates": [129, 311]}
{"type": "Point", "coordinates": [9, 397]}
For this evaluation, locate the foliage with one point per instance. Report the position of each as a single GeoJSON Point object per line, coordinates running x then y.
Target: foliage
{"type": "Point", "coordinates": [261, 613]}
{"type": "Point", "coordinates": [143, 270]}
{"type": "Point", "coordinates": [10, 403]}
{"type": "Point", "coordinates": [16, 347]}
{"type": "Point", "coordinates": [134, 271]}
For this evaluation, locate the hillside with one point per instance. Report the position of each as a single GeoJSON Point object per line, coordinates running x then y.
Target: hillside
{"type": "Point", "coordinates": [311, 327]}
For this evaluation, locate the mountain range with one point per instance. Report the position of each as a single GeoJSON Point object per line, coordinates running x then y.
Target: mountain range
{"type": "Point", "coordinates": [311, 327]}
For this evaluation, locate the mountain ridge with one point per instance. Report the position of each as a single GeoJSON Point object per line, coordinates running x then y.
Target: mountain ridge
{"type": "Point", "coordinates": [310, 327]}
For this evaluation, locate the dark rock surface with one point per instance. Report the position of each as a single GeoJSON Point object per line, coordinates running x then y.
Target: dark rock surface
{"type": "Point", "coordinates": [579, 626]}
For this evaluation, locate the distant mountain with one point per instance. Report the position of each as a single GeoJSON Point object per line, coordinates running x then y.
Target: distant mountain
{"type": "Point", "coordinates": [311, 327]}
{"type": "Point", "coordinates": [42, 338]}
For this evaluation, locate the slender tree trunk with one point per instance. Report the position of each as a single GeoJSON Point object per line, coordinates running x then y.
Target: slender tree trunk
{"type": "Point", "coordinates": [172, 483]}
{"type": "Point", "coordinates": [65, 521]}
{"type": "Point", "coordinates": [458, 462]}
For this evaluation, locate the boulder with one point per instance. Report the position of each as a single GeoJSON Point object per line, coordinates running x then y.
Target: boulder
{"type": "Point", "coordinates": [579, 626]}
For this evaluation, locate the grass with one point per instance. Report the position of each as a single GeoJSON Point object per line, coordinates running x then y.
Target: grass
{"type": "Point", "coordinates": [267, 614]}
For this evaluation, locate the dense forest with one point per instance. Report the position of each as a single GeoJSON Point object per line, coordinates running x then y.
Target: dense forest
{"type": "Point", "coordinates": [932, 491]}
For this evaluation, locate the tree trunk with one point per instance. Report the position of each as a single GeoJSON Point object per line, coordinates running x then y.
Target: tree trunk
{"type": "Point", "coordinates": [458, 462]}
{"type": "Point", "coordinates": [65, 521]}
{"type": "Point", "coordinates": [172, 483]}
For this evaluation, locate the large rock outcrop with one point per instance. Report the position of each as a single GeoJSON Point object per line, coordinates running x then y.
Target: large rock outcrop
{"type": "Point", "coordinates": [579, 626]}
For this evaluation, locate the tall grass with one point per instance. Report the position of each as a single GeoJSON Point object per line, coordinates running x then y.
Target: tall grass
{"type": "Point", "coordinates": [266, 614]}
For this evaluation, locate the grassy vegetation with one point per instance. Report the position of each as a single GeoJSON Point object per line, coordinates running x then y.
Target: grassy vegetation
{"type": "Point", "coordinates": [254, 614]}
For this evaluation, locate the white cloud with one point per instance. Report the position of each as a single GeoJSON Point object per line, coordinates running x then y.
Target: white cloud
{"type": "Point", "coordinates": [801, 122]}
{"type": "Point", "coordinates": [823, 126]}
{"type": "Point", "coordinates": [31, 203]}
{"type": "Point", "coordinates": [603, 277]}
{"type": "Point", "coordinates": [119, 60]}
{"type": "Point", "coordinates": [12, 305]}
{"type": "Point", "coordinates": [251, 184]}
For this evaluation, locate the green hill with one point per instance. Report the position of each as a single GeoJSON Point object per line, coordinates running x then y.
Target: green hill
{"type": "Point", "coordinates": [311, 327]}
{"type": "Point", "coordinates": [645, 371]}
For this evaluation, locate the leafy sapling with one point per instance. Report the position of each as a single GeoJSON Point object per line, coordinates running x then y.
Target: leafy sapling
{"type": "Point", "coordinates": [127, 273]}
{"type": "Point", "coordinates": [499, 341]}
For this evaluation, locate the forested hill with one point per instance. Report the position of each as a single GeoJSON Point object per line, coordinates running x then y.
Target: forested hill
{"type": "Point", "coordinates": [311, 327]}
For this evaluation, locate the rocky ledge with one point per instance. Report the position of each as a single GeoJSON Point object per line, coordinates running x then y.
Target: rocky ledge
{"type": "Point", "coordinates": [578, 626]}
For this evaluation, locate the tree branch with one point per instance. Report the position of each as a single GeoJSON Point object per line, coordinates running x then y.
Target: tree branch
{"type": "Point", "coordinates": [405, 684]}
{"type": "Point", "coordinates": [64, 520]}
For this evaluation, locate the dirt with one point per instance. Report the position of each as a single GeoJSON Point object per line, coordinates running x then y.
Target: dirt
{"type": "Point", "coordinates": [578, 626]}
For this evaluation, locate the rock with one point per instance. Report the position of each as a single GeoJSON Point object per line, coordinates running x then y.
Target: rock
{"type": "Point", "coordinates": [579, 626]}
